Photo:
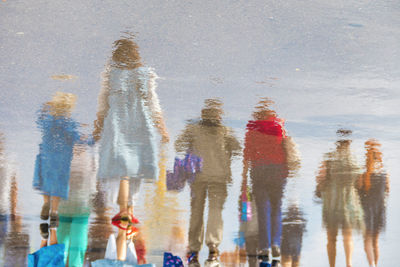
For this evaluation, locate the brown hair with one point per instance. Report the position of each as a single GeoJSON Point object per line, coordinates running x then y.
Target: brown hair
{"type": "Point", "coordinates": [262, 110]}
{"type": "Point", "coordinates": [373, 163]}
{"type": "Point", "coordinates": [126, 54]}
{"type": "Point", "coordinates": [61, 104]}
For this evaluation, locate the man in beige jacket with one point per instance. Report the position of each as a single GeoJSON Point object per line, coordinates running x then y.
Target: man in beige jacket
{"type": "Point", "coordinates": [215, 144]}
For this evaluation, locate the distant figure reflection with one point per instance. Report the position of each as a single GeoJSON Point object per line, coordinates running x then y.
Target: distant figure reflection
{"type": "Point", "coordinates": [268, 154]}
{"type": "Point", "coordinates": [17, 240]}
{"type": "Point", "coordinates": [128, 116]}
{"type": "Point", "coordinates": [373, 187]}
{"type": "Point", "coordinates": [210, 140]}
{"type": "Point", "coordinates": [4, 198]}
{"type": "Point", "coordinates": [336, 186]}
{"type": "Point", "coordinates": [292, 236]}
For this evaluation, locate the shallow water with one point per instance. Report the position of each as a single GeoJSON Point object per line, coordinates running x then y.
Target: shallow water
{"type": "Point", "coordinates": [325, 65]}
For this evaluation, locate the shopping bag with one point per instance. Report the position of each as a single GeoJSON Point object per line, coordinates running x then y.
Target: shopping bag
{"type": "Point", "coordinates": [171, 260]}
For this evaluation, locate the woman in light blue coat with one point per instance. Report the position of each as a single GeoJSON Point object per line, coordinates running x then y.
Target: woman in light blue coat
{"type": "Point", "coordinates": [128, 116]}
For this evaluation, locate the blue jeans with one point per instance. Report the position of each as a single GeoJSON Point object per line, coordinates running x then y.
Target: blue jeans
{"type": "Point", "coordinates": [268, 184]}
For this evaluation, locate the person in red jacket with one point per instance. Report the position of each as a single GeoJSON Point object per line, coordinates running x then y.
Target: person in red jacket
{"type": "Point", "coordinates": [267, 156]}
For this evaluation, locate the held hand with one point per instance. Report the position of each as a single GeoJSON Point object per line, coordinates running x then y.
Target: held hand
{"type": "Point", "coordinates": [164, 138]}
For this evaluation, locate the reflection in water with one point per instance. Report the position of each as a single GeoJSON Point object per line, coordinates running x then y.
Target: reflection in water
{"type": "Point", "coordinates": [373, 186]}
{"type": "Point", "coordinates": [4, 194]}
{"type": "Point", "coordinates": [16, 243]}
{"type": "Point", "coordinates": [100, 228]}
{"type": "Point", "coordinates": [128, 114]}
{"type": "Point", "coordinates": [52, 169]}
{"type": "Point", "coordinates": [163, 227]}
{"type": "Point", "coordinates": [248, 232]}
{"type": "Point", "coordinates": [336, 186]}
{"type": "Point", "coordinates": [74, 212]}
{"type": "Point", "coordinates": [210, 140]}
{"type": "Point", "coordinates": [270, 156]}
{"type": "Point", "coordinates": [52, 174]}
{"type": "Point", "coordinates": [292, 236]}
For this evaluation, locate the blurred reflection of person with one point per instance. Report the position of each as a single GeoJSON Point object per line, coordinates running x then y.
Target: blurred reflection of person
{"type": "Point", "coordinates": [249, 230]}
{"type": "Point", "coordinates": [53, 163]}
{"type": "Point", "coordinates": [17, 239]}
{"type": "Point", "coordinates": [4, 198]}
{"type": "Point", "coordinates": [292, 236]}
{"type": "Point", "coordinates": [269, 155]}
{"type": "Point", "coordinates": [50, 253]}
{"type": "Point", "coordinates": [74, 212]}
{"type": "Point", "coordinates": [215, 144]}
{"type": "Point", "coordinates": [128, 115]}
{"type": "Point", "coordinates": [248, 223]}
{"type": "Point", "coordinates": [100, 227]}
{"type": "Point", "coordinates": [336, 186]}
{"type": "Point", "coordinates": [373, 186]}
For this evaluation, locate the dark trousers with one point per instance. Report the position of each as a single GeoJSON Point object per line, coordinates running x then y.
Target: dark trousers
{"type": "Point", "coordinates": [268, 184]}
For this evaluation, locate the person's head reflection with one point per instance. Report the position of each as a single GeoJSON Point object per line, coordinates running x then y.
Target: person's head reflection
{"type": "Point", "coordinates": [61, 105]}
{"type": "Point", "coordinates": [211, 114]}
{"type": "Point", "coordinates": [126, 54]}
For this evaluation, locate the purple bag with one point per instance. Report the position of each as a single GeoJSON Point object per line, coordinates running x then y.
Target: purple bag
{"type": "Point", "coordinates": [192, 165]}
{"type": "Point", "coordinates": [185, 169]}
{"type": "Point", "coordinates": [171, 260]}
{"type": "Point", "coordinates": [176, 180]}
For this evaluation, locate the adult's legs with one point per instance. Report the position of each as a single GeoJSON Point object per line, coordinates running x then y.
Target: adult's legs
{"type": "Point", "coordinates": [276, 218]}
{"type": "Point", "coordinates": [376, 247]}
{"type": "Point", "coordinates": [331, 246]}
{"type": "Point", "coordinates": [263, 216]}
{"type": "Point", "coordinates": [121, 245]}
{"type": "Point", "coordinates": [276, 181]}
{"type": "Point", "coordinates": [196, 228]}
{"type": "Point", "coordinates": [348, 245]}
{"type": "Point", "coordinates": [217, 194]}
{"type": "Point", "coordinates": [123, 194]}
{"type": "Point", "coordinates": [368, 247]}
{"type": "Point", "coordinates": [123, 200]}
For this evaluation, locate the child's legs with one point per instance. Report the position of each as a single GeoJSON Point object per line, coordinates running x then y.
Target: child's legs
{"type": "Point", "coordinates": [54, 204]}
